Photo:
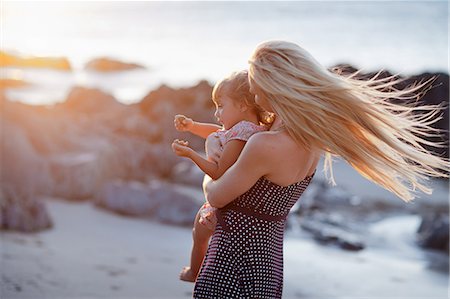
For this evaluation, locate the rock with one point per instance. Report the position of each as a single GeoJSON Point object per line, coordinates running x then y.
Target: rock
{"type": "Point", "coordinates": [25, 216]}
{"type": "Point", "coordinates": [126, 198]}
{"type": "Point", "coordinates": [24, 171]}
{"type": "Point", "coordinates": [76, 175]}
{"type": "Point", "coordinates": [13, 83]}
{"type": "Point", "coordinates": [433, 232]}
{"type": "Point", "coordinates": [90, 101]}
{"type": "Point", "coordinates": [330, 234]}
{"type": "Point", "coordinates": [12, 60]}
{"type": "Point", "coordinates": [156, 200]}
{"type": "Point", "coordinates": [162, 104]}
{"type": "Point", "coordinates": [187, 173]}
{"type": "Point", "coordinates": [105, 64]}
{"type": "Point", "coordinates": [175, 208]}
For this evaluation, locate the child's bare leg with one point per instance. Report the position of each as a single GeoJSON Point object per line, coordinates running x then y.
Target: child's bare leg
{"type": "Point", "coordinates": [200, 235]}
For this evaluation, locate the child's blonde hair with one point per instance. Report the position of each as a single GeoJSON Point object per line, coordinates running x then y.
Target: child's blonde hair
{"type": "Point", "coordinates": [350, 118]}
{"type": "Point", "coordinates": [236, 86]}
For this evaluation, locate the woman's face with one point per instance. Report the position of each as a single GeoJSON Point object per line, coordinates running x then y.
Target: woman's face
{"type": "Point", "coordinates": [260, 99]}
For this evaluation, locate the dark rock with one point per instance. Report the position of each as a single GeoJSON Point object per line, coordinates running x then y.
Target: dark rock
{"type": "Point", "coordinates": [433, 232]}
{"type": "Point", "coordinates": [326, 233]}
{"type": "Point", "coordinates": [105, 64]}
{"type": "Point", "coordinates": [25, 216]}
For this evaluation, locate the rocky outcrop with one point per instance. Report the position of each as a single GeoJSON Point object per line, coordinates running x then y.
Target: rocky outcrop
{"type": "Point", "coordinates": [156, 200]}
{"type": "Point", "coordinates": [25, 216]}
{"type": "Point", "coordinates": [24, 176]}
{"type": "Point", "coordinates": [162, 104]}
{"type": "Point", "coordinates": [433, 232]}
{"type": "Point", "coordinates": [187, 173]}
{"type": "Point", "coordinates": [105, 64]}
{"type": "Point", "coordinates": [70, 150]}
{"type": "Point", "coordinates": [13, 60]}
{"type": "Point", "coordinates": [82, 145]}
{"type": "Point", "coordinates": [13, 83]}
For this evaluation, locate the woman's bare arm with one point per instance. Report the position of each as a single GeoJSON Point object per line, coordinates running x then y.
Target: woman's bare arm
{"type": "Point", "coordinates": [252, 164]}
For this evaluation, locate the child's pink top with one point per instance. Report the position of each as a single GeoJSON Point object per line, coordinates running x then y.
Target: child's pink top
{"type": "Point", "coordinates": [240, 131]}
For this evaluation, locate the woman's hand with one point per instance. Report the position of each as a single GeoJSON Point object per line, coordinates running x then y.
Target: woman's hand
{"type": "Point", "coordinates": [181, 148]}
{"type": "Point", "coordinates": [183, 123]}
{"type": "Point", "coordinates": [213, 148]}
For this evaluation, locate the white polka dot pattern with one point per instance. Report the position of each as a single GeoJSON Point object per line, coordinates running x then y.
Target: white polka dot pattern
{"type": "Point", "coordinates": [245, 254]}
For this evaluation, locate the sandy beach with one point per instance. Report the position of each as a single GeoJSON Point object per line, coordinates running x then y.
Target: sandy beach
{"type": "Point", "coordinates": [92, 253]}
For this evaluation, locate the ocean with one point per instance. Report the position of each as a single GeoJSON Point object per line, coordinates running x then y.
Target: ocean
{"type": "Point", "coordinates": [181, 43]}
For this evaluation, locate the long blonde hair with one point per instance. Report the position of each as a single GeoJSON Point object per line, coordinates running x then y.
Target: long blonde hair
{"type": "Point", "coordinates": [351, 118]}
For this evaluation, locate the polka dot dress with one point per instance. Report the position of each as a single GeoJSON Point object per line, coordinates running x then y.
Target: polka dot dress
{"type": "Point", "coordinates": [245, 254]}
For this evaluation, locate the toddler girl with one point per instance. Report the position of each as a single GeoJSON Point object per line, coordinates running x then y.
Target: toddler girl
{"type": "Point", "coordinates": [240, 117]}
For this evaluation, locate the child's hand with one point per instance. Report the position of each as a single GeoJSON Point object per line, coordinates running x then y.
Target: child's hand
{"type": "Point", "coordinates": [181, 148]}
{"type": "Point", "coordinates": [183, 123]}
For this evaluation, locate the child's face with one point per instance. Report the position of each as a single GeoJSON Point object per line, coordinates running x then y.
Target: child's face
{"type": "Point", "coordinates": [228, 113]}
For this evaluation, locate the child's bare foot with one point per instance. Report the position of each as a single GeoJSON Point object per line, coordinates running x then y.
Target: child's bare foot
{"type": "Point", "coordinates": [187, 275]}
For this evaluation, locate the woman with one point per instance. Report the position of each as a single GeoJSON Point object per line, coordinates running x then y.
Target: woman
{"type": "Point", "coordinates": [316, 112]}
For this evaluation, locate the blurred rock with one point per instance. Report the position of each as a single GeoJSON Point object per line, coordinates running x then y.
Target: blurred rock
{"type": "Point", "coordinates": [105, 64]}
{"type": "Point", "coordinates": [331, 234]}
{"type": "Point", "coordinates": [13, 60]}
{"type": "Point", "coordinates": [433, 232]}
{"type": "Point", "coordinates": [90, 101]}
{"type": "Point", "coordinates": [157, 200]}
{"type": "Point", "coordinates": [162, 104]}
{"type": "Point", "coordinates": [187, 173]}
{"type": "Point", "coordinates": [175, 208]}
{"type": "Point", "coordinates": [13, 83]}
{"type": "Point", "coordinates": [23, 214]}
{"type": "Point", "coordinates": [76, 175]}
{"type": "Point", "coordinates": [126, 198]}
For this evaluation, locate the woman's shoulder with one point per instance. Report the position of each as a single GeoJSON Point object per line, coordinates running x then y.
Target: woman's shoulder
{"type": "Point", "coordinates": [275, 143]}
{"type": "Point", "coordinates": [264, 141]}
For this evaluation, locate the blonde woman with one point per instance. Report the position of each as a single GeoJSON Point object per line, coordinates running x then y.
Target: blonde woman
{"type": "Point", "coordinates": [316, 113]}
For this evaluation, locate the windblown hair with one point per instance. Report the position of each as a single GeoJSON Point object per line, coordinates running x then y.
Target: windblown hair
{"type": "Point", "coordinates": [354, 119]}
{"type": "Point", "coordinates": [237, 87]}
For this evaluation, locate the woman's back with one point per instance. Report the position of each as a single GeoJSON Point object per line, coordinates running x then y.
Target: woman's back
{"type": "Point", "coordinates": [287, 162]}
{"type": "Point", "coordinates": [245, 256]}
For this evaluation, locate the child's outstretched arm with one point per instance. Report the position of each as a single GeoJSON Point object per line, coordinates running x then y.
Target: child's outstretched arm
{"type": "Point", "coordinates": [229, 156]}
{"type": "Point", "coordinates": [183, 124]}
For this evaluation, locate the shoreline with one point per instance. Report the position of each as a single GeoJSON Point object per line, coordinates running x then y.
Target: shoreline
{"type": "Point", "coordinates": [47, 87]}
{"type": "Point", "coordinates": [91, 253]}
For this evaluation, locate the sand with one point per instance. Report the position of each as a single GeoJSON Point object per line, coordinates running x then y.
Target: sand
{"type": "Point", "coordinates": [92, 253]}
